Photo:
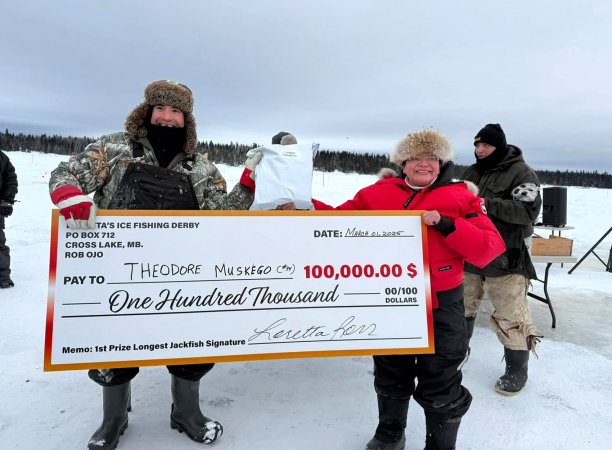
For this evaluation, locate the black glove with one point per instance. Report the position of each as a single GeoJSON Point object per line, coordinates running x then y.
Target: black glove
{"type": "Point", "coordinates": [6, 209]}
{"type": "Point", "coordinates": [445, 226]}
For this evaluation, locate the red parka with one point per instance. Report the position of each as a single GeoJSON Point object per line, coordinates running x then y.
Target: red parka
{"type": "Point", "coordinates": [474, 238]}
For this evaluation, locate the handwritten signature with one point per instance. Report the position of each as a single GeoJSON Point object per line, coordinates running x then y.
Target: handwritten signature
{"type": "Point", "coordinates": [278, 331]}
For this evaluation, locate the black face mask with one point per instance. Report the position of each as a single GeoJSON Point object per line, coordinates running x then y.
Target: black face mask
{"type": "Point", "coordinates": [167, 142]}
{"type": "Point", "coordinates": [484, 164]}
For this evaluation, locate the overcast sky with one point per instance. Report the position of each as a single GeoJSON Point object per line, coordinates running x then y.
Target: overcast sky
{"type": "Point", "coordinates": [349, 74]}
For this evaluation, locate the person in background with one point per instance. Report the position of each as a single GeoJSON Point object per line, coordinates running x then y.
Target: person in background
{"type": "Point", "coordinates": [284, 138]}
{"type": "Point", "coordinates": [511, 193]}
{"type": "Point", "coordinates": [8, 191]}
{"type": "Point", "coordinates": [152, 165]}
{"type": "Point", "coordinates": [459, 230]}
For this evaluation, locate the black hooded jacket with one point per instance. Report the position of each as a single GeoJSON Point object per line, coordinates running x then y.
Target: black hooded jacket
{"type": "Point", "coordinates": [512, 218]}
{"type": "Point", "coordinates": [8, 179]}
{"type": "Point", "coordinates": [8, 182]}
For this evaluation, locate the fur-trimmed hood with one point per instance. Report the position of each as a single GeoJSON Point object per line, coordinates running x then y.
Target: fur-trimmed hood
{"type": "Point", "coordinates": [471, 187]}
{"type": "Point", "coordinates": [164, 92]}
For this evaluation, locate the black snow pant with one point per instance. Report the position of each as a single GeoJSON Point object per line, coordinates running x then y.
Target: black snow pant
{"type": "Point", "coordinates": [5, 255]}
{"type": "Point", "coordinates": [439, 390]}
{"type": "Point", "coordinates": [113, 377]}
{"type": "Point", "coordinates": [152, 187]}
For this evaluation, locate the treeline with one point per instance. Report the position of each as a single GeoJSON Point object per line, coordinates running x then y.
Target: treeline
{"type": "Point", "coordinates": [325, 160]}
{"type": "Point", "coordinates": [565, 178]}
{"type": "Point", "coordinates": [60, 145]}
{"type": "Point", "coordinates": [328, 161]}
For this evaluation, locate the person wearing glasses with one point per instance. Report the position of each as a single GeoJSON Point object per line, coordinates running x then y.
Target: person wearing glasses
{"type": "Point", "coordinates": [459, 230]}
{"type": "Point", "coordinates": [152, 165]}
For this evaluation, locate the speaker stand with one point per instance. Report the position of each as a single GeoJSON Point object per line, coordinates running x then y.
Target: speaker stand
{"type": "Point", "coordinates": [592, 250]}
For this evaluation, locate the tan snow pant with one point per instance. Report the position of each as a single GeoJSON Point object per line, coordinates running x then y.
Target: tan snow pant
{"type": "Point", "coordinates": [511, 319]}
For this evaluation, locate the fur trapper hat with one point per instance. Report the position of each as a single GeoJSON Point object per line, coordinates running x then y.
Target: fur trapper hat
{"type": "Point", "coordinates": [164, 92]}
{"type": "Point", "coordinates": [425, 142]}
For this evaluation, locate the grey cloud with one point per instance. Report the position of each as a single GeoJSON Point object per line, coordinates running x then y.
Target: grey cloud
{"type": "Point", "coordinates": [355, 75]}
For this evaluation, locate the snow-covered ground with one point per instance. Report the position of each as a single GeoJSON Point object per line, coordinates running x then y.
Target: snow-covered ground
{"type": "Point", "coordinates": [328, 403]}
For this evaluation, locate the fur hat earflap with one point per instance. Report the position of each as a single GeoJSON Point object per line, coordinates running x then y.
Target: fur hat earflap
{"type": "Point", "coordinates": [164, 92]}
{"type": "Point", "coordinates": [425, 142]}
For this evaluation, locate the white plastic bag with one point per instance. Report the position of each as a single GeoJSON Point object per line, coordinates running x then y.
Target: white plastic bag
{"type": "Point", "coordinates": [284, 175]}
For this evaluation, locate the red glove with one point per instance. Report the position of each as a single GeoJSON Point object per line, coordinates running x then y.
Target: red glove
{"type": "Point", "coordinates": [77, 208]}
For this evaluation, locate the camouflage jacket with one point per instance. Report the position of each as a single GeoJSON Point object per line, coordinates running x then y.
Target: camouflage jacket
{"type": "Point", "coordinates": [100, 168]}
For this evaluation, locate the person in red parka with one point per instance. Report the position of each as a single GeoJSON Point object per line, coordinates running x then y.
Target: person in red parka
{"type": "Point", "coordinates": [459, 231]}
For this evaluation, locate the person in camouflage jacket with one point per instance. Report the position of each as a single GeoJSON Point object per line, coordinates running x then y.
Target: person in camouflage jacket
{"type": "Point", "coordinates": [511, 192]}
{"type": "Point", "coordinates": [101, 167]}
{"type": "Point", "coordinates": [152, 165]}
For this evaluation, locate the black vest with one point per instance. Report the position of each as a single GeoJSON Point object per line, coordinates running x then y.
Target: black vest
{"type": "Point", "coordinates": [145, 186]}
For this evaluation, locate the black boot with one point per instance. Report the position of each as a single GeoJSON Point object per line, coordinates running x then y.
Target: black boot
{"type": "Point", "coordinates": [511, 382]}
{"type": "Point", "coordinates": [470, 321]}
{"type": "Point", "coordinates": [389, 434]}
{"type": "Point", "coordinates": [441, 432]}
{"type": "Point", "coordinates": [186, 415]}
{"type": "Point", "coordinates": [115, 421]}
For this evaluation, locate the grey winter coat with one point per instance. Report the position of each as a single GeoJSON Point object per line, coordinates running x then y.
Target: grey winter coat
{"type": "Point", "coordinates": [513, 215]}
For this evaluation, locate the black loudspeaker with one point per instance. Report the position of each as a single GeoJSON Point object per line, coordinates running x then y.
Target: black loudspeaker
{"type": "Point", "coordinates": [554, 206]}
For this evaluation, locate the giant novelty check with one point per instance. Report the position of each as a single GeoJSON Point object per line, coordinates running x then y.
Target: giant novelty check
{"type": "Point", "coordinates": [182, 287]}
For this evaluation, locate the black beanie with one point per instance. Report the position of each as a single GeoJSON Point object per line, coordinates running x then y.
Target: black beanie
{"type": "Point", "coordinates": [492, 134]}
{"type": "Point", "coordinates": [276, 139]}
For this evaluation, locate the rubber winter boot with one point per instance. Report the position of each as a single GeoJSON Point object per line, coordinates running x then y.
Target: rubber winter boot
{"type": "Point", "coordinates": [5, 284]}
{"type": "Point", "coordinates": [115, 421]}
{"type": "Point", "coordinates": [441, 432]}
{"type": "Point", "coordinates": [186, 416]}
{"type": "Point", "coordinates": [389, 434]}
{"type": "Point", "coordinates": [515, 377]}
